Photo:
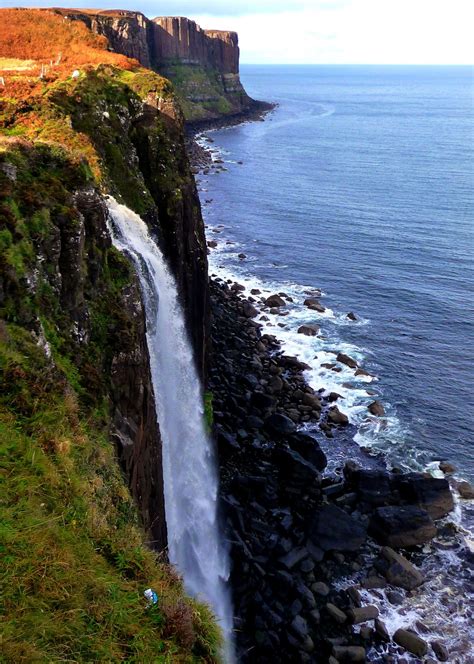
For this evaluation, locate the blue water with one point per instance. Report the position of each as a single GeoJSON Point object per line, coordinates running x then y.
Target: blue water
{"type": "Point", "coordinates": [361, 183]}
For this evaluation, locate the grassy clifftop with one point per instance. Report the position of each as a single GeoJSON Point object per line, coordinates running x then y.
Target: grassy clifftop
{"type": "Point", "coordinates": [76, 556]}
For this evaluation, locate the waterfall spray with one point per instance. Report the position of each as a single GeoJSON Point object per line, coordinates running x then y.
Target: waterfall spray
{"type": "Point", "coordinates": [189, 464]}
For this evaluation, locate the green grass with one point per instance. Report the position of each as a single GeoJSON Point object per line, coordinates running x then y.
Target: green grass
{"type": "Point", "coordinates": [74, 561]}
{"type": "Point", "coordinates": [74, 557]}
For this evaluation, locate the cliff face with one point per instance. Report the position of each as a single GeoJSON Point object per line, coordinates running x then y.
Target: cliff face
{"type": "Point", "coordinates": [76, 394]}
{"type": "Point", "coordinates": [202, 64]}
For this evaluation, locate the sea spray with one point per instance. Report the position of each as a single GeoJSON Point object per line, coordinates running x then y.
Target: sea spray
{"type": "Point", "coordinates": [189, 464]}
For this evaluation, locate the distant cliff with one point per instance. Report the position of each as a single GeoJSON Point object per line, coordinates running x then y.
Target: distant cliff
{"type": "Point", "coordinates": [202, 64]}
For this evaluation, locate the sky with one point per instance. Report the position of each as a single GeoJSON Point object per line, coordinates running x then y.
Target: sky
{"type": "Point", "coordinates": [325, 31]}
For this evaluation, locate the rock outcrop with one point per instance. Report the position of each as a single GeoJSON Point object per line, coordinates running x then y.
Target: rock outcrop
{"type": "Point", "coordinates": [203, 64]}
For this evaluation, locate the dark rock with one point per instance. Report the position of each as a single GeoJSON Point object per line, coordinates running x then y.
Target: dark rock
{"type": "Point", "coordinates": [336, 417]}
{"type": "Point", "coordinates": [395, 597]}
{"type": "Point", "coordinates": [411, 642]}
{"type": "Point", "coordinates": [212, 244]}
{"type": "Point", "coordinates": [373, 582]}
{"type": "Point", "coordinates": [275, 301]}
{"type": "Point", "coordinates": [381, 630]}
{"type": "Point", "coordinates": [275, 384]}
{"type": "Point", "coordinates": [372, 486]}
{"type": "Point", "coordinates": [279, 425]}
{"type": "Point", "coordinates": [320, 588]}
{"type": "Point", "coordinates": [440, 650]}
{"type": "Point", "coordinates": [334, 529]}
{"type": "Point", "coordinates": [466, 490]}
{"type": "Point", "coordinates": [400, 571]}
{"type": "Point", "coordinates": [447, 468]}
{"type": "Point", "coordinates": [300, 627]}
{"type": "Point", "coordinates": [249, 310]}
{"type": "Point", "coordinates": [252, 422]}
{"type": "Point", "coordinates": [308, 448]}
{"type": "Point", "coordinates": [336, 613]}
{"type": "Point", "coordinates": [430, 493]}
{"type": "Point", "coordinates": [242, 256]}
{"type": "Point", "coordinates": [349, 653]}
{"type": "Point", "coordinates": [362, 614]}
{"type": "Point", "coordinates": [348, 361]}
{"type": "Point", "coordinates": [314, 304]}
{"type": "Point", "coordinates": [294, 557]}
{"type": "Point", "coordinates": [311, 400]}
{"type": "Point", "coordinates": [309, 330]}
{"type": "Point", "coordinates": [401, 527]}
{"type": "Point", "coordinates": [351, 316]}
{"type": "Point", "coordinates": [376, 408]}
{"type": "Point", "coordinates": [262, 401]}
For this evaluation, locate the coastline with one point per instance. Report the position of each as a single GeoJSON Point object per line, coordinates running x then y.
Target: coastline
{"type": "Point", "coordinates": [373, 641]}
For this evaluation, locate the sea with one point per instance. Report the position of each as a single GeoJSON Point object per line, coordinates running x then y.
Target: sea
{"type": "Point", "coordinates": [359, 187]}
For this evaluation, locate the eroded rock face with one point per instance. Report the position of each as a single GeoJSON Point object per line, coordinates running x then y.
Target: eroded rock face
{"type": "Point", "coordinates": [165, 42]}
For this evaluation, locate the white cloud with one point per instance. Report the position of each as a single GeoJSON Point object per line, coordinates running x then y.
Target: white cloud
{"type": "Point", "coordinates": [358, 31]}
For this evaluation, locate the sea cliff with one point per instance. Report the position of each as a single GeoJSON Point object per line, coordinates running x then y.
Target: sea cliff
{"type": "Point", "coordinates": [202, 64]}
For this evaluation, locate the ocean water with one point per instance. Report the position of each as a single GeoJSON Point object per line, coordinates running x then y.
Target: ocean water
{"type": "Point", "coordinates": [361, 184]}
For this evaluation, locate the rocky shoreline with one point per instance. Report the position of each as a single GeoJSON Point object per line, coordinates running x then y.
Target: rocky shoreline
{"type": "Point", "coordinates": [295, 533]}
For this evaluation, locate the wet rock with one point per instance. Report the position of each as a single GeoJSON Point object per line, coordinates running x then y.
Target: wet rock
{"type": "Point", "coordinates": [314, 304]}
{"type": "Point", "coordinates": [411, 642]}
{"type": "Point", "coordinates": [320, 588]}
{"type": "Point", "coordinates": [242, 256]}
{"type": "Point", "coordinates": [311, 400]}
{"type": "Point", "coordinates": [308, 448]}
{"type": "Point", "coordinates": [279, 424]}
{"type": "Point", "coordinates": [336, 417]}
{"type": "Point", "coordinates": [300, 627]}
{"type": "Point", "coordinates": [400, 571]}
{"type": "Point", "coordinates": [294, 557]}
{"type": "Point", "coordinates": [372, 486]}
{"type": "Point", "coordinates": [309, 330]}
{"type": "Point", "coordinates": [212, 244]}
{"type": "Point", "coordinates": [440, 650]}
{"type": "Point", "coordinates": [466, 490]}
{"type": "Point", "coordinates": [249, 310]}
{"type": "Point", "coordinates": [395, 597]}
{"type": "Point", "coordinates": [334, 529]}
{"type": "Point", "coordinates": [262, 401]}
{"type": "Point", "coordinates": [447, 468]}
{"type": "Point", "coordinates": [430, 493]}
{"type": "Point", "coordinates": [275, 301]}
{"type": "Point", "coordinates": [362, 614]}
{"type": "Point", "coordinates": [381, 630]}
{"type": "Point", "coordinates": [373, 582]}
{"type": "Point", "coordinates": [255, 291]}
{"type": "Point", "coordinates": [376, 408]}
{"type": "Point", "coordinates": [351, 316]}
{"type": "Point", "coordinates": [349, 653]}
{"type": "Point", "coordinates": [348, 361]}
{"type": "Point", "coordinates": [336, 613]}
{"type": "Point", "coordinates": [401, 527]}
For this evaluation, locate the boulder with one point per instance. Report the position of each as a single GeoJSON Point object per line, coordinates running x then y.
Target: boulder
{"type": "Point", "coordinates": [275, 301]}
{"type": "Point", "coordinates": [411, 642]}
{"type": "Point", "coordinates": [336, 417]}
{"type": "Point", "coordinates": [249, 310]}
{"type": "Point", "coordinates": [279, 425]}
{"type": "Point", "coordinates": [296, 472]}
{"type": "Point", "coordinates": [308, 448]}
{"type": "Point", "coordinates": [440, 650]}
{"type": "Point", "coordinates": [309, 330]}
{"type": "Point", "coordinates": [349, 653]}
{"type": "Point", "coordinates": [362, 614]}
{"type": "Point", "coordinates": [372, 486]}
{"type": "Point", "coordinates": [381, 630]}
{"type": "Point", "coordinates": [466, 490]}
{"type": "Point", "coordinates": [212, 244]}
{"type": "Point", "coordinates": [400, 571]}
{"type": "Point", "coordinates": [311, 400]}
{"type": "Point", "coordinates": [336, 613]}
{"type": "Point", "coordinates": [262, 401]}
{"type": "Point", "coordinates": [320, 588]}
{"type": "Point", "coordinates": [351, 316]}
{"type": "Point", "coordinates": [430, 493]}
{"type": "Point", "coordinates": [401, 527]}
{"type": "Point", "coordinates": [299, 627]}
{"type": "Point", "coordinates": [447, 468]}
{"type": "Point", "coordinates": [314, 304]}
{"type": "Point", "coordinates": [334, 529]}
{"type": "Point", "coordinates": [348, 361]}
{"type": "Point", "coordinates": [376, 408]}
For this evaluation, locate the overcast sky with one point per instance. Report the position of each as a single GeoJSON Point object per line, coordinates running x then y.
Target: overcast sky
{"type": "Point", "coordinates": [326, 31]}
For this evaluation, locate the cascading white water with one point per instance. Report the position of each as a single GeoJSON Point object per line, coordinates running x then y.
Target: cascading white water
{"type": "Point", "coordinates": [189, 465]}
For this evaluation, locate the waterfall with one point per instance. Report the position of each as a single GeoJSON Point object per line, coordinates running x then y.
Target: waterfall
{"type": "Point", "coordinates": [189, 464]}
